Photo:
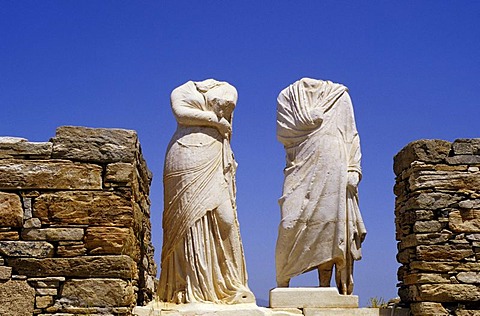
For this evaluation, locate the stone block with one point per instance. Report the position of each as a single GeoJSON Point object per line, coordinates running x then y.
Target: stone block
{"type": "Point", "coordinates": [81, 267]}
{"type": "Point", "coordinates": [444, 252]}
{"type": "Point", "coordinates": [5, 273]}
{"type": "Point", "coordinates": [427, 226]}
{"type": "Point", "coordinates": [426, 150]}
{"type": "Point", "coordinates": [95, 144]}
{"type": "Point", "coordinates": [60, 175]}
{"type": "Point", "coordinates": [466, 146]}
{"type": "Point", "coordinates": [469, 277]}
{"type": "Point", "coordinates": [49, 282]}
{"type": "Point", "coordinates": [111, 240]}
{"type": "Point", "coordinates": [53, 234]}
{"type": "Point", "coordinates": [71, 249]}
{"type": "Point", "coordinates": [428, 309]}
{"type": "Point", "coordinates": [467, 221]}
{"type": "Point", "coordinates": [432, 201]}
{"type": "Point", "coordinates": [463, 160]}
{"type": "Point", "coordinates": [34, 249]}
{"type": "Point", "coordinates": [11, 211]}
{"type": "Point", "coordinates": [98, 292]}
{"type": "Point", "coordinates": [85, 208]}
{"type": "Point", "coordinates": [13, 147]}
{"type": "Point", "coordinates": [120, 173]}
{"type": "Point", "coordinates": [43, 301]}
{"type": "Point", "coordinates": [10, 235]}
{"type": "Point", "coordinates": [444, 293]}
{"type": "Point", "coordinates": [422, 278]}
{"type": "Point", "coordinates": [355, 312]}
{"type": "Point", "coordinates": [311, 297]}
{"type": "Point", "coordinates": [17, 298]}
{"type": "Point", "coordinates": [32, 223]}
{"type": "Point", "coordinates": [438, 180]}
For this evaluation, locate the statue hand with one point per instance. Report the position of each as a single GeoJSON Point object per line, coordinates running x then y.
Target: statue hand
{"type": "Point", "coordinates": [224, 127]}
{"type": "Point", "coordinates": [353, 178]}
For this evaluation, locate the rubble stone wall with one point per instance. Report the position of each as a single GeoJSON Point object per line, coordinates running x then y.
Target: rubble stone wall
{"type": "Point", "coordinates": [437, 217]}
{"type": "Point", "coordinates": [75, 233]}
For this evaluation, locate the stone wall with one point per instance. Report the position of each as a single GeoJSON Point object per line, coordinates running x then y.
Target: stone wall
{"type": "Point", "coordinates": [75, 234]}
{"type": "Point", "coordinates": [437, 221]}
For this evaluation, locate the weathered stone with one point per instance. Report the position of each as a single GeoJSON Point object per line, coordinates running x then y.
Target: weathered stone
{"type": "Point", "coordinates": [421, 278]}
{"type": "Point", "coordinates": [5, 273]}
{"type": "Point", "coordinates": [46, 291]}
{"type": "Point", "coordinates": [433, 266]}
{"type": "Point", "coordinates": [17, 298]}
{"type": "Point", "coordinates": [32, 223]}
{"type": "Point", "coordinates": [35, 249]}
{"type": "Point", "coordinates": [24, 149]}
{"type": "Point", "coordinates": [49, 282]}
{"type": "Point", "coordinates": [53, 234]}
{"type": "Point", "coordinates": [111, 240]}
{"type": "Point", "coordinates": [426, 150]}
{"type": "Point", "coordinates": [60, 175]}
{"type": "Point", "coordinates": [449, 292]}
{"type": "Point", "coordinates": [92, 208]}
{"type": "Point", "coordinates": [427, 226]}
{"type": "Point", "coordinates": [11, 211]}
{"type": "Point", "coordinates": [99, 292]}
{"type": "Point", "coordinates": [431, 201]}
{"type": "Point", "coordinates": [469, 277]}
{"type": "Point", "coordinates": [443, 252]}
{"type": "Point", "coordinates": [466, 146]}
{"type": "Point", "coordinates": [465, 221]}
{"type": "Point", "coordinates": [469, 204]}
{"type": "Point", "coordinates": [11, 235]}
{"type": "Point", "coordinates": [72, 250]}
{"type": "Point", "coordinates": [120, 172]}
{"type": "Point", "coordinates": [88, 266]}
{"type": "Point", "coordinates": [95, 144]}
{"type": "Point", "coordinates": [467, 312]}
{"type": "Point", "coordinates": [463, 160]}
{"type": "Point", "coordinates": [428, 309]}
{"type": "Point", "coordinates": [27, 208]}
{"type": "Point", "coordinates": [43, 301]}
{"type": "Point", "coordinates": [443, 180]}
{"type": "Point", "coordinates": [473, 237]}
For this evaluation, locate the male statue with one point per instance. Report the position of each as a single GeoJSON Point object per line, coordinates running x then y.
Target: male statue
{"type": "Point", "coordinates": [321, 226]}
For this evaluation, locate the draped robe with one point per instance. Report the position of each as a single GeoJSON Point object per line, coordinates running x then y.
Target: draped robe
{"type": "Point", "coordinates": [199, 264]}
{"type": "Point", "coordinates": [320, 218]}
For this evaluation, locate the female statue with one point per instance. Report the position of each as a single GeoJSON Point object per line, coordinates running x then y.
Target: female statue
{"type": "Point", "coordinates": [321, 226]}
{"type": "Point", "coordinates": [202, 254]}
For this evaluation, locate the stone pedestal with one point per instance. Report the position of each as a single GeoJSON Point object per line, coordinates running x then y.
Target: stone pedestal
{"type": "Point", "coordinates": [315, 297]}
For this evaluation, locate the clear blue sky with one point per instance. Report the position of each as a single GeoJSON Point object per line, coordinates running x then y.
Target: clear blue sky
{"type": "Point", "coordinates": [412, 68]}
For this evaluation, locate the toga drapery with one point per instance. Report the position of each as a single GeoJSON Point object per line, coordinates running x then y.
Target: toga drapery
{"type": "Point", "coordinates": [320, 218]}
{"type": "Point", "coordinates": [199, 262]}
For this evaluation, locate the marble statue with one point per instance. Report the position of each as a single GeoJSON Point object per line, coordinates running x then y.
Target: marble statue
{"type": "Point", "coordinates": [202, 254]}
{"type": "Point", "coordinates": [321, 226]}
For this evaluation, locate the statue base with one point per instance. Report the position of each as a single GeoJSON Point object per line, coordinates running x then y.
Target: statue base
{"type": "Point", "coordinates": [308, 297]}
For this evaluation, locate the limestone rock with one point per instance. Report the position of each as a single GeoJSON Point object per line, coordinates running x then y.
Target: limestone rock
{"type": "Point", "coordinates": [89, 266]}
{"type": "Point", "coordinates": [35, 249]}
{"type": "Point", "coordinates": [43, 301]}
{"type": "Point", "coordinates": [449, 292]}
{"type": "Point", "coordinates": [53, 234]}
{"type": "Point", "coordinates": [427, 226]}
{"type": "Point", "coordinates": [111, 240]}
{"type": "Point", "coordinates": [120, 172]}
{"type": "Point", "coordinates": [9, 235]}
{"type": "Point", "coordinates": [99, 292]}
{"type": "Point", "coordinates": [320, 297]}
{"type": "Point", "coordinates": [443, 180]}
{"type": "Point", "coordinates": [428, 309]}
{"type": "Point", "coordinates": [443, 252]}
{"type": "Point", "coordinates": [17, 298]}
{"type": "Point", "coordinates": [24, 149]}
{"type": "Point", "coordinates": [431, 201]}
{"type": "Point", "coordinates": [469, 277]}
{"type": "Point", "coordinates": [421, 278]}
{"type": "Point", "coordinates": [465, 221]}
{"type": "Point", "coordinates": [71, 249]}
{"type": "Point", "coordinates": [49, 175]}
{"type": "Point", "coordinates": [11, 211]}
{"type": "Point", "coordinates": [95, 144]}
{"type": "Point", "coordinates": [464, 146]}
{"type": "Point", "coordinates": [426, 150]}
{"type": "Point", "coordinates": [5, 273]}
{"type": "Point", "coordinates": [92, 208]}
